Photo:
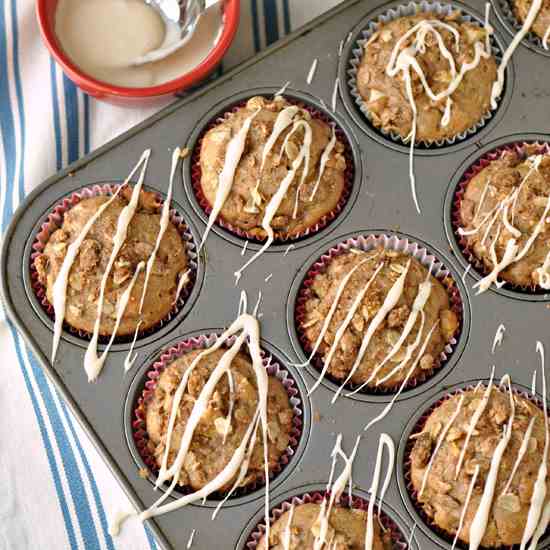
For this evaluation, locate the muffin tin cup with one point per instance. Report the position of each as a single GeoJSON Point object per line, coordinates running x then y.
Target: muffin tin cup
{"type": "Point", "coordinates": [462, 242]}
{"type": "Point", "coordinates": [505, 12]}
{"type": "Point", "coordinates": [272, 366]}
{"type": "Point", "coordinates": [389, 242]}
{"type": "Point", "coordinates": [280, 237]}
{"type": "Point", "coordinates": [416, 425]}
{"type": "Point", "coordinates": [356, 54]}
{"type": "Point", "coordinates": [54, 221]}
{"type": "Point", "coordinates": [399, 541]}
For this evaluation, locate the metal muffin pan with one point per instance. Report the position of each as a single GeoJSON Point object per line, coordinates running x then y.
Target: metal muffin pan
{"type": "Point", "coordinates": [380, 202]}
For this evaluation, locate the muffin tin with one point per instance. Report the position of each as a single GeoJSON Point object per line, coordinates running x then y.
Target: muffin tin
{"type": "Point", "coordinates": [380, 202]}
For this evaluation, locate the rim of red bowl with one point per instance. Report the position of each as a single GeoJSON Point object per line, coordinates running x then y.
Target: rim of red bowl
{"type": "Point", "coordinates": [230, 24]}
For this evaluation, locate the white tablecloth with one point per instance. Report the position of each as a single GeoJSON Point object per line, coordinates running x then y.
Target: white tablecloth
{"type": "Point", "coordinates": [55, 491]}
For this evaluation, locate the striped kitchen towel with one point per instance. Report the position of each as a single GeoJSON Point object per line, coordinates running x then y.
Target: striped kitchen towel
{"type": "Point", "coordinates": [55, 491]}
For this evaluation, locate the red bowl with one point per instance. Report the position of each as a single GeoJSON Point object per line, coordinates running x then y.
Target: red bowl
{"type": "Point", "coordinates": [45, 10]}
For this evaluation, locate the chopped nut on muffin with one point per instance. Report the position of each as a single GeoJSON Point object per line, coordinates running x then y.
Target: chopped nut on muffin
{"type": "Point", "coordinates": [255, 185]}
{"type": "Point", "coordinates": [91, 262]}
{"type": "Point", "coordinates": [346, 530]}
{"type": "Point", "coordinates": [219, 433]}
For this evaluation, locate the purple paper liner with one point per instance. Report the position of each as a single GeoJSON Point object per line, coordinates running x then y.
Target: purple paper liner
{"type": "Point", "coordinates": [273, 367]}
{"type": "Point", "coordinates": [479, 165]}
{"type": "Point", "coordinates": [54, 221]}
{"type": "Point", "coordinates": [368, 243]}
{"type": "Point", "coordinates": [418, 427]}
{"type": "Point", "coordinates": [398, 539]}
{"type": "Point", "coordinates": [280, 237]}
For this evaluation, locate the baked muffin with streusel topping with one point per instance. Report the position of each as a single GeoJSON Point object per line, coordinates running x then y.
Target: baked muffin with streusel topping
{"type": "Point", "coordinates": [418, 49]}
{"type": "Point", "coordinates": [346, 530]}
{"type": "Point", "coordinates": [224, 422]}
{"type": "Point", "coordinates": [391, 320]}
{"type": "Point", "coordinates": [84, 281]}
{"type": "Point", "coordinates": [274, 151]}
{"type": "Point", "coordinates": [442, 487]}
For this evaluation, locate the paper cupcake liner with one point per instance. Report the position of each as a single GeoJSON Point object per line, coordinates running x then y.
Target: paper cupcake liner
{"type": "Point", "coordinates": [391, 242]}
{"type": "Point", "coordinates": [273, 368]}
{"type": "Point", "coordinates": [412, 8]}
{"type": "Point", "coordinates": [54, 222]}
{"type": "Point", "coordinates": [507, 10]}
{"type": "Point", "coordinates": [418, 427]}
{"type": "Point", "coordinates": [280, 237]}
{"type": "Point", "coordinates": [471, 172]}
{"type": "Point", "coordinates": [399, 541]}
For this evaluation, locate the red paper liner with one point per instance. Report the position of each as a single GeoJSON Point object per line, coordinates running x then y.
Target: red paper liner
{"type": "Point", "coordinates": [54, 222]}
{"type": "Point", "coordinates": [273, 368]}
{"type": "Point", "coordinates": [362, 242]}
{"type": "Point", "coordinates": [399, 542]}
{"type": "Point", "coordinates": [280, 237]}
{"type": "Point", "coordinates": [471, 172]}
{"type": "Point", "coordinates": [418, 427]}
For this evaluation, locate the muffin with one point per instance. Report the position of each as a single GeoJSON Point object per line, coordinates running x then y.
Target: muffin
{"type": "Point", "coordinates": [346, 531]}
{"type": "Point", "coordinates": [89, 266]}
{"type": "Point", "coordinates": [253, 186]}
{"type": "Point", "coordinates": [542, 21]}
{"type": "Point", "coordinates": [445, 493]}
{"type": "Point", "coordinates": [437, 311]}
{"type": "Point", "coordinates": [520, 180]}
{"type": "Point", "coordinates": [211, 447]}
{"type": "Point", "coordinates": [386, 98]}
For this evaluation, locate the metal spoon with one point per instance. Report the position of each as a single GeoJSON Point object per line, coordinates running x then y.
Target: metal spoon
{"type": "Point", "coordinates": [180, 18]}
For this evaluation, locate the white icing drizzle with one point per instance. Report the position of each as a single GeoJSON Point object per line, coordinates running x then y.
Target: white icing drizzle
{"type": "Point", "coordinates": [191, 538]}
{"type": "Point", "coordinates": [385, 441]}
{"type": "Point", "coordinates": [534, 383]}
{"type": "Point", "coordinates": [521, 454]}
{"type": "Point", "coordinates": [268, 278]}
{"type": "Point", "coordinates": [411, 536]}
{"type": "Point", "coordinates": [390, 405]}
{"type": "Point", "coordinates": [497, 341]}
{"type": "Point", "coordinates": [323, 162]}
{"type": "Point", "coordinates": [539, 489]}
{"type": "Point", "coordinates": [474, 420]}
{"type": "Point", "coordinates": [529, 20]}
{"type": "Point", "coordinates": [336, 491]}
{"type": "Point", "coordinates": [129, 360]}
{"type": "Point", "coordinates": [466, 504]}
{"type": "Point", "coordinates": [389, 303]}
{"type": "Point", "coordinates": [243, 251]}
{"type": "Point", "coordinates": [287, 532]}
{"type": "Point", "coordinates": [481, 517]}
{"type": "Point", "coordinates": [404, 59]}
{"type": "Point", "coordinates": [440, 441]}
{"type": "Point", "coordinates": [282, 90]}
{"type": "Point", "coordinates": [249, 329]}
{"type": "Point", "coordinates": [340, 47]}
{"type": "Point", "coordinates": [545, 38]}
{"type": "Point", "coordinates": [488, 27]}
{"type": "Point", "coordinates": [343, 326]}
{"type": "Point", "coordinates": [424, 291]}
{"type": "Point", "coordinates": [273, 205]}
{"type": "Point", "coordinates": [233, 155]}
{"type": "Point", "coordinates": [183, 280]}
{"type": "Point", "coordinates": [60, 285]}
{"type": "Point", "coordinates": [92, 363]}
{"type": "Point", "coordinates": [288, 249]}
{"type": "Point", "coordinates": [466, 271]}
{"type": "Point", "coordinates": [312, 71]}
{"type": "Point", "coordinates": [335, 94]}
{"type": "Point", "coordinates": [541, 527]}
